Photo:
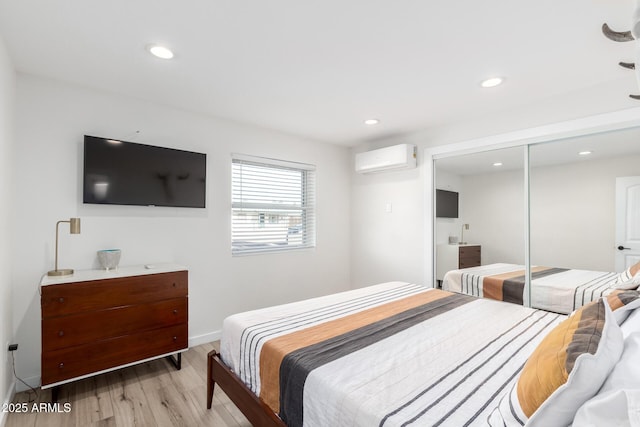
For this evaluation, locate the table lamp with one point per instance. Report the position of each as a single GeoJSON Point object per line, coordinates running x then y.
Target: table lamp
{"type": "Point", "coordinates": [74, 225]}
{"type": "Point", "coordinates": [464, 227]}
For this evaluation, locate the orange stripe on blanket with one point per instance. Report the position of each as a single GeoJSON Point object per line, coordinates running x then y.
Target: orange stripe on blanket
{"type": "Point", "coordinates": [274, 350]}
{"type": "Point", "coordinates": [492, 286]}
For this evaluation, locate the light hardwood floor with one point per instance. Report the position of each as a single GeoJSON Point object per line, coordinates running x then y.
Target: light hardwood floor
{"type": "Point", "coordinates": [147, 395]}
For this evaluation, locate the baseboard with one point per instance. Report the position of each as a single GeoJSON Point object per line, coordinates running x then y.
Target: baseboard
{"type": "Point", "coordinates": [11, 392]}
{"type": "Point", "coordinates": [34, 382]}
{"type": "Point", "coordinates": [204, 338]}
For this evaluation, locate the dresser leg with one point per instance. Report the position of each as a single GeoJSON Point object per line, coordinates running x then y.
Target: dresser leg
{"type": "Point", "coordinates": [54, 394]}
{"type": "Point", "coordinates": [177, 361]}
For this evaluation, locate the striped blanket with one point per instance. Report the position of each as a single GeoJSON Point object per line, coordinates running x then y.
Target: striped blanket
{"type": "Point", "coordinates": [388, 355]}
{"type": "Point", "coordinates": [554, 289]}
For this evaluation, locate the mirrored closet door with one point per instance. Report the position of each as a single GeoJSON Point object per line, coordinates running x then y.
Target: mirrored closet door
{"type": "Point", "coordinates": [485, 233]}
{"type": "Point", "coordinates": [556, 221]}
{"type": "Point", "coordinates": [574, 214]}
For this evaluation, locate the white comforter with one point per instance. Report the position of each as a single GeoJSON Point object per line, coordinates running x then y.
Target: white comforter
{"type": "Point", "coordinates": [449, 369]}
{"type": "Point", "coordinates": [561, 292]}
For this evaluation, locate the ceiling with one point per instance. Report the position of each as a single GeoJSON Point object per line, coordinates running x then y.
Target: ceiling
{"type": "Point", "coordinates": [601, 146]}
{"type": "Point", "coordinates": [319, 68]}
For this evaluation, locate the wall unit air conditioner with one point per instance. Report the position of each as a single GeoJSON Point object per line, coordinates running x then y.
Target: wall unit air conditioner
{"type": "Point", "coordinates": [396, 157]}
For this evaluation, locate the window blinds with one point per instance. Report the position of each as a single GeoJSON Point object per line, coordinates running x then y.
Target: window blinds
{"type": "Point", "coordinates": [273, 205]}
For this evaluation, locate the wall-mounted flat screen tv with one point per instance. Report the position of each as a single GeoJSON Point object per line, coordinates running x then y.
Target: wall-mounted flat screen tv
{"type": "Point", "coordinates": [446, 204]}
{"type": "Point", "coordinates": [126, 173]}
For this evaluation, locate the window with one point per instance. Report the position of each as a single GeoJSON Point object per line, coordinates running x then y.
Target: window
{"type": "Point", "coordinates": [272, 206]}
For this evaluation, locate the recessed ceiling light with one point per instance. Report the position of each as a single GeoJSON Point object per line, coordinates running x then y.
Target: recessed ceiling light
{"type": "Point", "coordinates": [160, 51]}
{"type": "Point", "coordinates": [492, 82]}
{"type": "Point", "coordinates": [496, 164]}
{"type": "Point", "coordinates": [585, 153]}
{"type": "Point", "coordinates": [371, 122]}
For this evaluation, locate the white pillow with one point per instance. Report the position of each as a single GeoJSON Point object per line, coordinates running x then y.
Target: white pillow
{"type": "Point", "coordinates": [629, 274]}
{"type": "Point", "coordinates": [618, 401]}
{"type": "Point", "coordinates": [631, 283]}
{"type": "Point", "coordinates": [631, 325]}
{"type": "Point", "coordinates": [619, 408]}
{"type": "Point", "coordinates": [626, 373]}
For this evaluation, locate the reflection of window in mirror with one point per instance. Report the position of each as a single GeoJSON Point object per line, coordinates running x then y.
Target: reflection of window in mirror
{"type": "Point", "coordinates": [490, 220]}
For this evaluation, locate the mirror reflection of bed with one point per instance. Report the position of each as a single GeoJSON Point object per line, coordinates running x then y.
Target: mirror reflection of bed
{"type": "Point", "coordinates": [561, 290]}
{"type": "Point", "coordinates": [572, 219]}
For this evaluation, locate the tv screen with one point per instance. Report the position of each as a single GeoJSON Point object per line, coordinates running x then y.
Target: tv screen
{"type": "Point", "coordinates": [446, 204]}
{"type": "Point", "coordinates": [127, 173]}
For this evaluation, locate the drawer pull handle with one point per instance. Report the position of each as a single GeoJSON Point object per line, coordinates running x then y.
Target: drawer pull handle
{"type": "Point", "coordinates": [61, 365]}
{"type": "Point", "coordinates": [174, 284]}
{"type": "Point", "coordinates": [61, 333]}
{"type": "Point", "coordinates": [175, 311]}
{"type": "Point", "coordinates": [175, 338]}
{"type": "Point", "coordinates": [61, 300]}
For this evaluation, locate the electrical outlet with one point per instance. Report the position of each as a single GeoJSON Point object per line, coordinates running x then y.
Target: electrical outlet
{"type": "Point", "coordinates": [13, 347]}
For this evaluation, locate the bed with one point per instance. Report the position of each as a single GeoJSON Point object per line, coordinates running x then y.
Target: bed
{"type": "Point", "coordinates": [387, 355]}
{"type": "Point", "coordinates": [559, 290]}
{"type": "Point", "coordinates": [398, 354]}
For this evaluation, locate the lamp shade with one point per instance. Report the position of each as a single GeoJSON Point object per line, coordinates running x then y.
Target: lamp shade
{"type": "Point", "coordinates": [74, 225]}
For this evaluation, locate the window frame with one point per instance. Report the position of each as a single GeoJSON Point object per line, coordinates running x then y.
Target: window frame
{"type": "Point", "coordinates": [266, 212]}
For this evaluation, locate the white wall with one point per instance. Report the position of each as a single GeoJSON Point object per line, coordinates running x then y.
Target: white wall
{"type": "Point", "coordinates": [389, 244]}
{"type": "Point", "coordinates": [7, 85]}
{"type": "Point", "coordinates": [52, 118]}
{"type": "Point", "coordinates": [573, 213]}
{"type": "Point", "coordinates": [493, 206]}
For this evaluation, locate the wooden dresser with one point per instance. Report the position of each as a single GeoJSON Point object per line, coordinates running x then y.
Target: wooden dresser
{"type": "Point", "coordinates": [453, 257]}
{"type": "Point", "coordinates": [96, 321]}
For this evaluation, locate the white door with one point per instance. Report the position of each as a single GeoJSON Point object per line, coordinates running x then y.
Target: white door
{"type": "Point", "coordinates": [627, 221]}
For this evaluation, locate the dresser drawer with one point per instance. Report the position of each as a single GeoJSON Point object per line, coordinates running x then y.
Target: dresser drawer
{"type": "Point", "coordinates": [467, 263]}
{"type": "Point", "coordinates": [78, 297]}
{"type": "Point", "coordinates": [60, 365]}
{"type": "Point", "coordinates": [72, 330]}
{"type": "Point", "coordinates": [469, 256]}
{"type": "Point", "coordinates": [469, 252]}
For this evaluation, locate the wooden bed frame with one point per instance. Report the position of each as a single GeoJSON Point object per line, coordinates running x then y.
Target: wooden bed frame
{"type": "Point", "coordinates": [256, 411]}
